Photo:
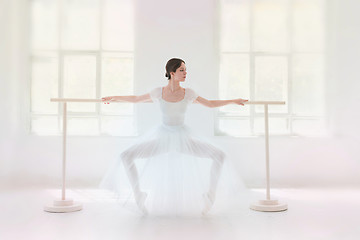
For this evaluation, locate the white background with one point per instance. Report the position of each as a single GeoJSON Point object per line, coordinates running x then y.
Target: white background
{"type": "Point", "coordinates": [185, 29]}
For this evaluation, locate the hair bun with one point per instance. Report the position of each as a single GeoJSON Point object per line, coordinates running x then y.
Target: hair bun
{"type": "Point", "coordinates": [166, 75]}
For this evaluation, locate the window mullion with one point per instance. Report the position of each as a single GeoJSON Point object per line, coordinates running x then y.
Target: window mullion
{"type": "Point", "coordinates": [101, 7]}
{"type": "Point", "coordinates": [252, 67]}
{"type": "Point", "coordinates": [290, 64]}
{"type": "Point", "coordinates": [289, 94]}
{"type": "Point", "coordinates": [98, 86]}
{"type": "Point", "coordinates": [60, 62]}
{"type": "Point", "coordinates": [99, 63]}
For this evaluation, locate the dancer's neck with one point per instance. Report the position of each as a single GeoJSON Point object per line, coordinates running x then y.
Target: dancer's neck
{"type": "Point", "coordinates": [173, 86]}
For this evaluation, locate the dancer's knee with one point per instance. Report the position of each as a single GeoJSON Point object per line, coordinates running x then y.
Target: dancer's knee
{"type": "Point", "coordinates": [222, 157]}
{"type": "Point", "coordinates": [126, 158]}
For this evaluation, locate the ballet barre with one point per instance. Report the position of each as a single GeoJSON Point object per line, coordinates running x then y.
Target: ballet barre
{"type": "Point", "coordinates": [268, 204]}
{"type": "Point", "coordinates": [63, 204]}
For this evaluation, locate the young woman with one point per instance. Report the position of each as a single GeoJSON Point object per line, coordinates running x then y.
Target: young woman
{"type": "Point", "coordinates": [173, 177]}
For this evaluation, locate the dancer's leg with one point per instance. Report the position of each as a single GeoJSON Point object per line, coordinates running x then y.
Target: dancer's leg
{"type": "Point", "coordinates": [203, 149]}
{"type": "Point", "coordinates": [215, 174]}
{"type": "Point", "coordinates": [142, 150]}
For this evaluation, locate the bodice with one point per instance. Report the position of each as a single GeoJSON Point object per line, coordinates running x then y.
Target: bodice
{"type": "Point", "coordinates": [173, 113]}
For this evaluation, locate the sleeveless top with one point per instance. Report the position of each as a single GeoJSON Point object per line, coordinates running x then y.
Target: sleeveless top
{"type": "Point", "coordinates": [173, 113]}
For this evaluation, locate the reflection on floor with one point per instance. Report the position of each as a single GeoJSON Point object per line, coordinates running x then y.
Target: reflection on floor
{"type": "Point", "coordinates": [313, 214]}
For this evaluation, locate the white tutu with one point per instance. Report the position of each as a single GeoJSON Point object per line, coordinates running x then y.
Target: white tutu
{"type": "Point", "coordinates": [174, 170]}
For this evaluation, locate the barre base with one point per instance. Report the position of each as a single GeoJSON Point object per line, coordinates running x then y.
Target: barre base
{"type": "Point", "coordinates": [269, 206]}
{"type": "Point", "coordinates": [63, 206]}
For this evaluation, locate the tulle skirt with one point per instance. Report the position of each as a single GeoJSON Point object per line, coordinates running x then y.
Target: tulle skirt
{"type": "Point", "coordinates": [175, 168]}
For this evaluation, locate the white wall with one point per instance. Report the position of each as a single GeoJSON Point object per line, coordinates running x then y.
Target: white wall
{"type": "Point", "coordinates": [185, 29]}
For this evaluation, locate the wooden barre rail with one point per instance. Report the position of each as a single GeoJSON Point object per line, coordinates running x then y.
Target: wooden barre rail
{"type": "Point", "coordinates": [99, 100]}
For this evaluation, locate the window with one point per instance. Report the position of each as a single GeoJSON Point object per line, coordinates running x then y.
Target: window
{"type": "Point", "coordinates": [272, 50]}
{"type": "Point", "coordinates": [81, 49]}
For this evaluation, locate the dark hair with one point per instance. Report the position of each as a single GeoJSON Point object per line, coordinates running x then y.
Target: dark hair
{"type": "Point", "coordinates": [172, 65]}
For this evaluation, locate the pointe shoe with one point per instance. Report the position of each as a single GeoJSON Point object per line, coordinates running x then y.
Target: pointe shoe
{"type": "Point", "coordinates": [140, 201]}
{"type": "Point", "coordinates": [208, 201]}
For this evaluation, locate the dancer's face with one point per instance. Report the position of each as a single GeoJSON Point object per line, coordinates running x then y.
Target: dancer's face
{"type": "Point", "coordinates": [180, 73]}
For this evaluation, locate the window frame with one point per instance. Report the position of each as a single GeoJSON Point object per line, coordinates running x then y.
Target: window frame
{"type": "Point", "coordinates": [60, 54]}
{"type": "Point", "coordinates": [290, 116]}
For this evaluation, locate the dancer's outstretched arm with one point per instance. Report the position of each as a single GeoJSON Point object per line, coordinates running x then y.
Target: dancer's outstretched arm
{"type": "Point", "coordinates": [131, 98]}
{"type": "Point", "coordinates": [219, 103]}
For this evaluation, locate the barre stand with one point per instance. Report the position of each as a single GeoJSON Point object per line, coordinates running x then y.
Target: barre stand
{"type": "Point", "coordinates": [268, 204]}
{"type": "Point", "coordinates": [64, 205]}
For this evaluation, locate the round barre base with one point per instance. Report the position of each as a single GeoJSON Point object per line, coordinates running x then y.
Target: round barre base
{"type": "Point", "coordinates": [63, 206]}
{"type": "Point", "coordinates": [269, 206]}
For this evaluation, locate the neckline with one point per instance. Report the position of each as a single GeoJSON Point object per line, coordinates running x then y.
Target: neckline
{"type": "Point", "coordinates": [162, 88]}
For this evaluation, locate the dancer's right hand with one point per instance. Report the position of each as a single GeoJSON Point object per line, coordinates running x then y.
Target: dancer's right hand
{"type": "Point", "coordinates": [107, 99]}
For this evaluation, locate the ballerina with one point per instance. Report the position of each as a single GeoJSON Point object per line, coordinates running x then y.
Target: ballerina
{"type": "Point", "coordinates": [171, 136]}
